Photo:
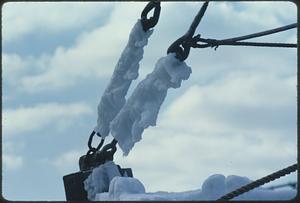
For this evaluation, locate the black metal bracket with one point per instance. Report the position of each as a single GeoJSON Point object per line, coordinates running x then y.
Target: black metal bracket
{"type": "Point", "coordinates": [74, 183]}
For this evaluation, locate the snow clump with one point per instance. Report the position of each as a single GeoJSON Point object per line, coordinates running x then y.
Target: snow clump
{"type": "Point", "coordinates": [100, 178]}
{"type": "Point", "coordinates": [125, 71]}
{"type": "Point", "coordinates": [142, 107]}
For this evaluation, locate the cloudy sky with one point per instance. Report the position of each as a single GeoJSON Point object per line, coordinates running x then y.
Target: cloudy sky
{"type": "Point", "coordinates": [235, 115]}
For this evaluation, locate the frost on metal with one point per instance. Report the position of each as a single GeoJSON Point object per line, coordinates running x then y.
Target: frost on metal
{"type": "Point", "coordinates": [125, 71]}
{"type": "Point", "coordinates": [142, 107]}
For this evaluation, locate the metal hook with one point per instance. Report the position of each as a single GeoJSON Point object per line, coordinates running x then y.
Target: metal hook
{"type": "Point", "coordinates": [111, 146]}
{"type": "Point", "coordinates": [91, 139]}
{"type": "Point", "coordinates": [152, 21]}
{"type": "Point", "coordinates": [94, 157]}
{"type": "Point", "coordinates": [181, 47]}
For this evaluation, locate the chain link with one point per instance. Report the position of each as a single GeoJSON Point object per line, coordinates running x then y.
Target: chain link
{"type": "Point", "coordinates": [182, 46]}
{"type": "Point", "coordinates": [91, 148]}
{"type": "Point", "coordinates": [152, 21]}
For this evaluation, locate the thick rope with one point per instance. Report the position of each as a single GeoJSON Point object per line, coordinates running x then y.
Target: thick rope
{"type": "Point", "coordinates": [216, 43]}
{"type": "Point", "coordinates": [236, 41]}
{"type": "Point", "coordinates": [260, 34]}
{"type": "Point", "coordinates": [259, 182]}
{"type": "Point", "coordinates": [291, 184]}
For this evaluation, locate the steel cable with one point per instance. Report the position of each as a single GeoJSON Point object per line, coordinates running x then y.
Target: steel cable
{"type": "Point", "coordinates": [259, 182]}
{"type": "Point", "coordinates": [236, 41]}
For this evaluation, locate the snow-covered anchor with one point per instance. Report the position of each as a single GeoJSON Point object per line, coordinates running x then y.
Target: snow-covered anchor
{"type": "Point", "coordinates": [181, 47]}
{"type": "Point", "coordinates": [74, 183]}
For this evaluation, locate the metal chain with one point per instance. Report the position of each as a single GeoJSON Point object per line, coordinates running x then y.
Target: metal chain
{"type": "Point", "coordinates": [152, 21]}
{"type": "Point", "coordinates": [95, 156]}
{"type": "Point", "coordinates": [147, 24]}
{"type": "Point", "coordinates": [91, 140]}
{"type": "Point", "coordinates": [92, 150]}
{"type": "Point", "coordinates": [259, 182]}
{"type": "Point", "coordinates": [181, 47]}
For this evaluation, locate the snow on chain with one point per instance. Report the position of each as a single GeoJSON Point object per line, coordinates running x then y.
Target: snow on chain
{"type": "Point", "coordinates": [125, 71]}
{"type": "Point", "coordinates": [142, 107]}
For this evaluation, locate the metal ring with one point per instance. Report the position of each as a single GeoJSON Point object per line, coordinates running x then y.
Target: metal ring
{"type": "Point", "coordinates": [91, 139]}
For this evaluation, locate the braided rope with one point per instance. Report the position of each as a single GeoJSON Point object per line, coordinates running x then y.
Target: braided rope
{"type": "Point", "coordinates": [291, 184]}
{"type": "Point", "coordinates": [216, 43]}
{"type": "Point", "coordinates": [260, 34]}
{"type": "Point", "coordinates": [259, 182]}
{"type": "Point", "coordinates": [236, 41]}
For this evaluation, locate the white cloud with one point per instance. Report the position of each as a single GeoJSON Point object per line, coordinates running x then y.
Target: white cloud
{"type": "Point", "coordinates": [53, 17]}
{"type": "Point", "coordinates": [41, 116]}
{"type": "Point", "coordinates": [175, 160]}
{"type": "Point", "coordinates": [170, 159]}
{"type": "Point", "coordinates": [12, 162]}
{"type": "Point", "coordinates": [14, 67]}
{"type": "Point", "coordinates": [96, 53]}
{"type": "Point", "coordinates": [195, 136]}
{"type": "Point", "coordinates": [14, 62]}
{"type": "Point", "coordinates": [229, 19]}
{"type": "Point", "coordinates": [68, 161]}
{"type": "Point", "coordinates": [282, 11]}
{"type": "Point", "coordinates": [203, 131]}
{"type": "Point", "coordinates": [12, 147]}
{"type": "Point", "coordinates": [11, 159]}
{"type": "Point", "coordinates": [256, 102]}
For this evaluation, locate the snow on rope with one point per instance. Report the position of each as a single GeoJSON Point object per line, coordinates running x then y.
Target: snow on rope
{"type": "Point", "coordinates": [142, 107]}
{"type": "Point", "coordinates": [125, 71]}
